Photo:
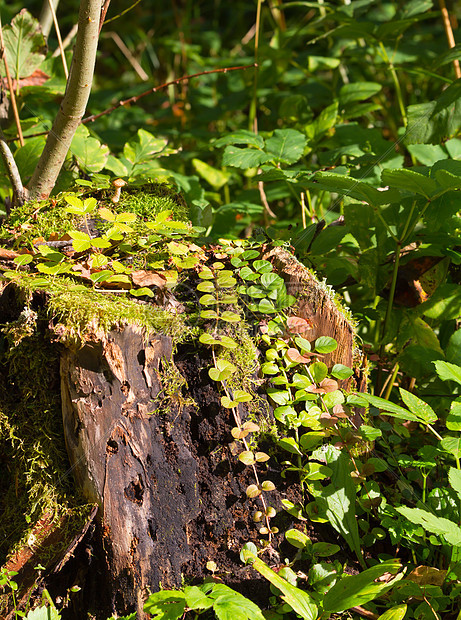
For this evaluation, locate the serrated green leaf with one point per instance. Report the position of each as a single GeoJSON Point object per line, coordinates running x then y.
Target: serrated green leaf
{"type": "Point", "coordinates": [418, 407]}
{"type": "Point", "coordinates": [286, 145]}
{"type": "Point", "coordinates": [244, 157]}
{"type": "Point", "coordinates": [91, 155]}
{"type": "Point", "coordinates": [166, 605]}
{"type": "Point", "coordinates": [447, 371]}
{"type": "Point", "coordinates": [449, 530]}
{"type": "Point", "coordinates": [410, 181]}
{"type": "Point", "coordinates": [241, 136]}
{"type": "Point", "coordinates": [25, 46]}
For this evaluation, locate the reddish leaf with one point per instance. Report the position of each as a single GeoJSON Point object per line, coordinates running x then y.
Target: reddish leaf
{"type": "Point", "coordinates": [297, 325]}
{"type": "Point", "coordinates": [328, 385]}
{"type": "Point", "coordinates": [295, 356]}
{"type": "Point", "coordinates": [37, 78]}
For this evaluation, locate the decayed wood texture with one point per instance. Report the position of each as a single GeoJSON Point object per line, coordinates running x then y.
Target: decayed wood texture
{"type": "Point", "coordinates": [121, 460]}
{"type": "Point", "coordinates": [316, 304]}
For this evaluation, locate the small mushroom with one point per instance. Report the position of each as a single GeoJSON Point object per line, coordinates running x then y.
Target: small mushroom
{"type": "Point", "coordinates": [118, 184]}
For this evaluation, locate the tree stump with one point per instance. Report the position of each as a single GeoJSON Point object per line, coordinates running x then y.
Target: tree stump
{"type": "Point", "coordinates": [170, 490]}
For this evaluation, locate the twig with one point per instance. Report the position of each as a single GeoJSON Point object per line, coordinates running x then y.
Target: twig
{"type": "Point", "coordinates": [104, 9]}
{"type": "Point", "coordinates": [46, 17]}
{"type": "Point", "coordinates": [10, 86]}
{"type": "Point", "coordinates": [67, 40]}
{"type": "Point", "coordinates": [58, 34]}
{"type": "Point", "coordinates": [90, 119]}
{"type": "Point", "coordinates": [128, 55]}
{"type": "Point", "coordinates": [19, 193]}
{"type": "Point", "coordinates": [112, 19]}
{"type": "Point", "coordinates": [449, 34]}
{"type": "Point", "coordinates": [136, 98]}
{"type": "Point", "coordinates": [262, 193]}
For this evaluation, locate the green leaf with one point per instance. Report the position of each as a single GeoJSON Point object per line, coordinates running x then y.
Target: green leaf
{"type": "Point", "coordinates": [286, 145]}
{"type": "Point", "coordinates": [143, 148]}
{"type": "Point", "coordinates": [142, 292]}
{"type": "Point", "coordinates": [390, 408]}
{"type": "Point", "coordinates": [297, 539]}
{"type": "Point", "coordinates": [25, 45]}
{"type": "Point", "coordinates": [341, 372]}
{"type": "Point", "coordinates": [101, 276]}
{"type": "Point", "coordinates": [437, 121]}
{"type": "Point", "coordinates": [28, 155]}
{"type": "Point", "coordinates": [231, 605]}
{"type": "Point", "coordinates": [445, 528]}
{"type": "Point", "coordinates": [241, 136]}
{"type": "Point", "coordinates": [452, 445]}
{"type": "Point", "coordinates": [299, 601]}
{"type": "Point", "coordinates": [166, 605]}
{"type": "Point", "coordinates": [454, 478]}
{"type": "Point", "coordinates": [338, 498]}
{"type": "Point", "coordinates": [355, 189]}
{"type": "Point", "coordinates": [319, 371]}
{"type": "Point", "coordinates": [453, 421]}
{"type": "Point", "coordinates": [324, 550]}
{"type": "Point", "coordinates": [325, 344]}
{"type": "Point", "coordinates": [244, 157]}
{"type": "Point", "coordinates": [91, 155]}
{"type": "Point", "coordinates": [445, 303]}
{"type": "Point", "coordinates": [196, 598]}
{"type": "Point", "coordinates": [216, 178]}
{"type": "Point", "coordinates": [418, 407]}
{"type": "Point", "coordinates": [359, 589]}
{"type": "Point", "coordinates": [447, 371]}
{"type": "Point", "coordinates": [43, 613]}
{"type": "Point", "coordinates": [394, 613]}
{"type": "Point", "coordinates": [290, 444]}
{"type": "Point", "coordinates": [409, 181]}
{"type": "Point", "coordinates": [358, 91]}
{"type": "Point", "coordinates": [24, 259]}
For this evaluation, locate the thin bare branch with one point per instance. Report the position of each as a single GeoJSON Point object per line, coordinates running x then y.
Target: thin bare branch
{"type": "Point", "coordinates": [90, 119]}
{"type": "Point", "coordinates": [104, 9]}
{"type": "Point", "coordinates": [449, 35]}
{"type": "Point", "coordinates": [128, 55]}
{"type": "Point", "coordinates": [93, 117]}
{"type": "Point", "coordinates": [58, 35]}
{"type": "Point", "coordinates": [10, 86]}
{"type": "Point", "coordinates": [19, 193]}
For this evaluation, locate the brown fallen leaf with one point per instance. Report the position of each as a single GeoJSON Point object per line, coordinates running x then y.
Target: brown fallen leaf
{"type": "Point", "coordinates": [427, 575]}
{"type": "Point", "coordinates": [147, 278]}
{"type": "Point", "coordinates": [8, 254]}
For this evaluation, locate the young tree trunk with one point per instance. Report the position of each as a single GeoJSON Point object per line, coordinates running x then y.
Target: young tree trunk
{"type": "Point", "coordinates": [73, 104]}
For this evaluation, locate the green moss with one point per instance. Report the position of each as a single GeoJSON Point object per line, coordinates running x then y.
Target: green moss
{"type": "Point", "coordinates": [171, 396]}
{"type": "Point", "coordinates": [149, 200]}
{"type": "Point", "coordinates": [80, 309]}
{"type": "Point", "coordinates": [35, 476]}
{"type": "Point", "coordinates": [41, 219]}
